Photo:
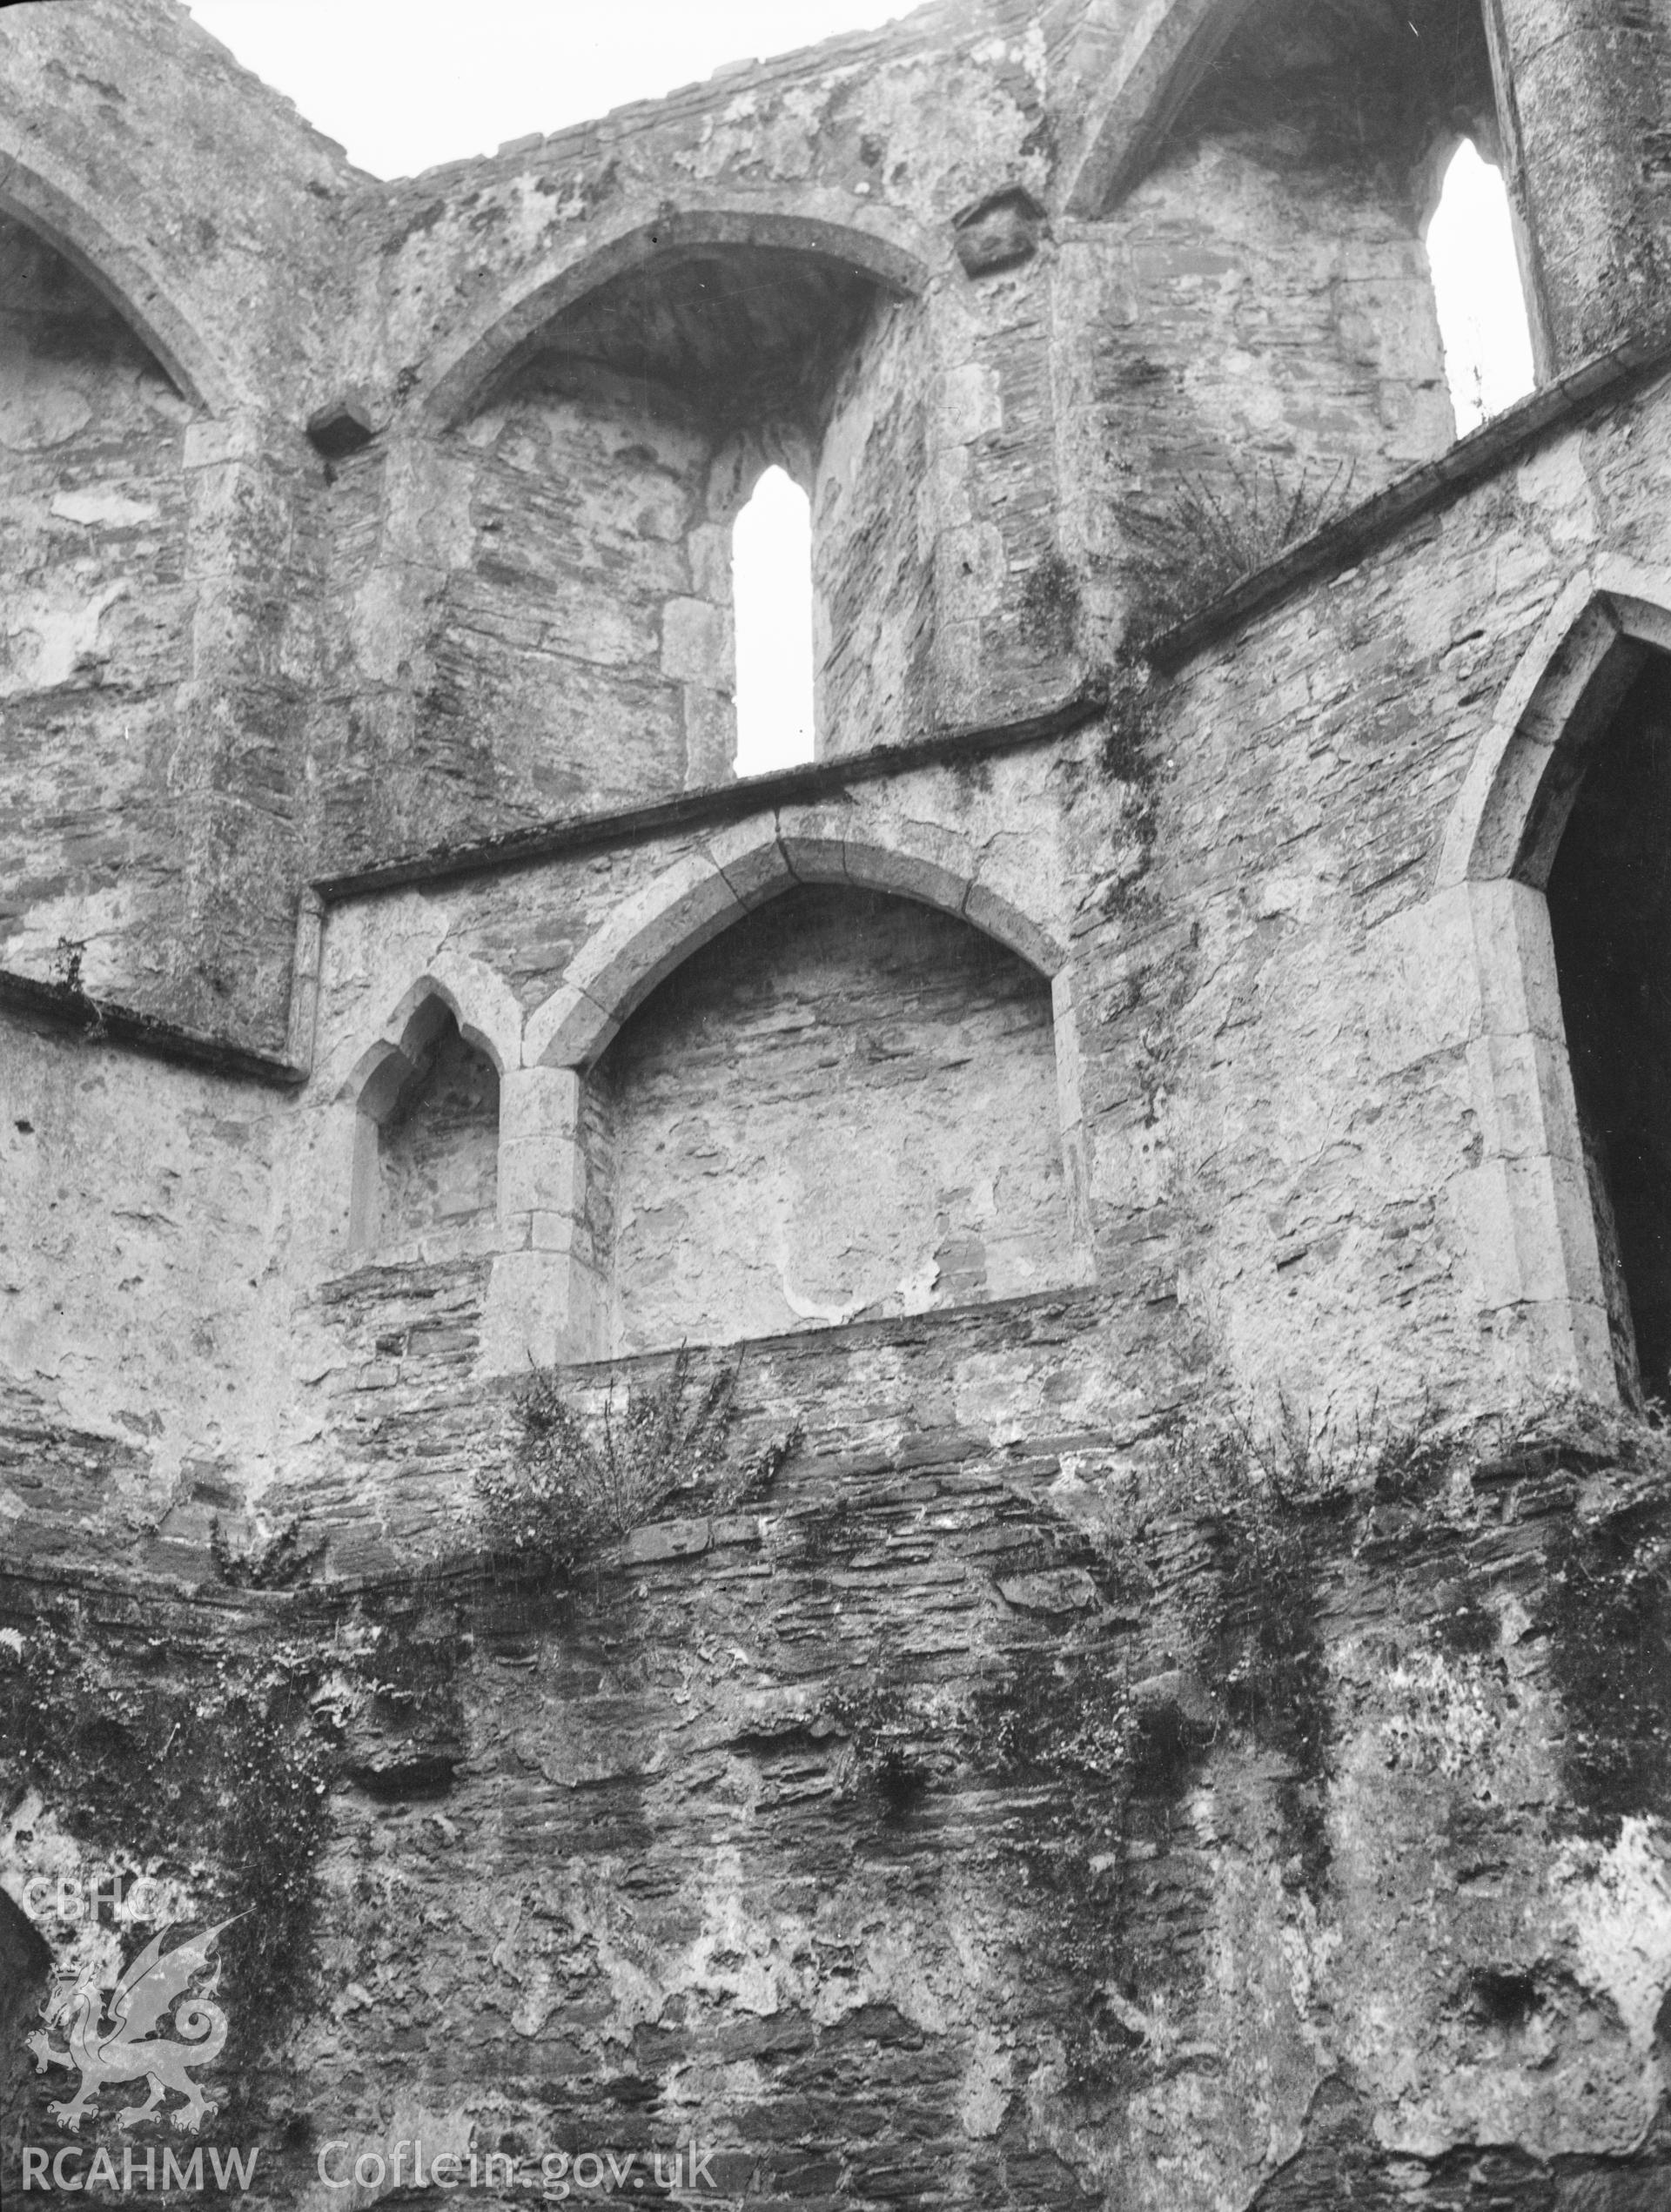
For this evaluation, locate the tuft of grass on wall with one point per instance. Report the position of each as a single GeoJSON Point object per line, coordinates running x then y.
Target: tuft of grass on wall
{"type": "Point", "coordinates": [1216, 530]}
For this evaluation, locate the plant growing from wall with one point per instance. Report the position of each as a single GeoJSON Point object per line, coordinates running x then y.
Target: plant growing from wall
{"type": "Point", "coordinates": [279, 1563]}
{"type": "Point", "coordinates": [1606, 1610]}
{"type": "Point", "coordinates": [1127, 753]}
{"type": "Point", "coordinates": [67, 956]}
{"type": "Point", "coordinates": [1285, 1498]}
{"type": "Point", "coordinates": [1091, 1733]}
{"type": "Point", "coordinates": [1216, 530]}
{"type": "Point", "coordinates": [574, 1480]}
{"type": "Point", "coordinates": [904, 1737]}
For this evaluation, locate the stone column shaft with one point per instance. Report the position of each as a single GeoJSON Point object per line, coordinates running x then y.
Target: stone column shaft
{"type": "Point", "coordinates": [1582, 90]}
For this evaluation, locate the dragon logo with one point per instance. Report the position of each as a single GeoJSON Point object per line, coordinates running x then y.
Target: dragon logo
{"type": "Point", "coordinates": [125, 2049]}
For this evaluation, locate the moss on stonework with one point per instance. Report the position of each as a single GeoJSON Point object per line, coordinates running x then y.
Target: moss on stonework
{"type": "Point", "coordinates": [1050, 604]}
{"type": "Point", "coordinates": [206, 1752]}
{"type": "Point", "coordinates": [205, 1766]}
{"type": "Point", "coordinates": [1606, 1608]}
{"type": "Point", "coordinates": [1179, 1641]}
{"type": "Point", "coordinates": [1062, 1762]}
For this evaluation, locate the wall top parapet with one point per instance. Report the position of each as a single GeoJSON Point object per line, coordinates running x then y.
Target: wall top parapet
{"type": "Point", "coordinates": [922, 29]}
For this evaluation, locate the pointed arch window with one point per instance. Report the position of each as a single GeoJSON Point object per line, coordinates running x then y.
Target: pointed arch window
{"type": "Point", "coordinates": [771, 571]}
{"type": "Point", "coordinates": [1477, 290]}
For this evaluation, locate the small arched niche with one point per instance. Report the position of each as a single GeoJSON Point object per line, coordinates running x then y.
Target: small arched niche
{"type": "Point", "coordinates": [1608, 888]}
{"type": "Point", "coordinates": [426, 1144]}
{"type": "Point", "coordinates": [844, 1108]}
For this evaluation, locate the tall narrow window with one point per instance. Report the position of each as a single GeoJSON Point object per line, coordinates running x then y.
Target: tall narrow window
{"type": "Point", "coordinates": [1477, 290]}
{"type": "Point", "coordinates": [771, 581]}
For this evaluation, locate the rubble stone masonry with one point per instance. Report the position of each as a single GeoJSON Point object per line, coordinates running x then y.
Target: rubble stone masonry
{"type": "Point", "coordinates": [1149, 1139]}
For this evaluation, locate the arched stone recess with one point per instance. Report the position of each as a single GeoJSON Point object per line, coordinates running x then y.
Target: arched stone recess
{"type": "Point", "coordinates": [616, 971]}
{"type": "Point", "coordinates": [544, 1302]}
{"type": "Point", "coordinates": [652, 370]}
{"type": "Point", "coordinates": [121, 271]}
{"type": "Point", "coordinates": [483, 1006]}
{"type": "Point", "coordinates": [887, 251]}
{"type": "Point", "coordinates": [456, 1031]}
{"type": "Point", "coordinates": [1541, 1221]}
{"type": "Point", "coordinates": [107, 488]}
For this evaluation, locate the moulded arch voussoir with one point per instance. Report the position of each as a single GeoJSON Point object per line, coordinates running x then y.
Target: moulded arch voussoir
{"type": "Point", "coordinates": [703, 893]}
{"type": "Point", "coordinates": [484, 1008]}
{"type": "Point", "coordinates": [899, 262]}
{"type": "Point", "coordinates": [750, 856]}
{"type": "Point", "coordinates": [120, 271]}
{"type": "Point", "coordinates": [484, 1005]}
{"type": "Point", "coordinates": [920, 860]}
{"type": "Point", "coordinates": [1508, 818]}
{"type": "Point", "coordinates": [1000, 918]}
{"type": "Point", "coordinates": [621, 963]}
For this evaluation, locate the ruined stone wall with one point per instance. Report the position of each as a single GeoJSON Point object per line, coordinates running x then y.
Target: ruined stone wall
{"type": "Point", "coordinates": [141, 155]}
{"type": "Point", "coordinates": [1366, 753]}
{"type": "Point", "coordinates": [1038, 1828]}
{"type": "Point", "coordinates": [486, 617]}
{"type": "Point", "coordinates": [1048, 1758]}
{"type": "Point", "coordinates": [1287, 1119]}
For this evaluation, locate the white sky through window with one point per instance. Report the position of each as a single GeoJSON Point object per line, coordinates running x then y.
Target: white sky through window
{"type": "Point", "coordinates": [1477, 288]}
{"type": "Point", "coordinates": [771, 579]}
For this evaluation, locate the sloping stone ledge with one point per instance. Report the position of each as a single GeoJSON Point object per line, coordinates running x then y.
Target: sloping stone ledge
{"type": "Point", "coordinates": [750, 794]}
{"type": "Point", "coordinates": [97, 1021]}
